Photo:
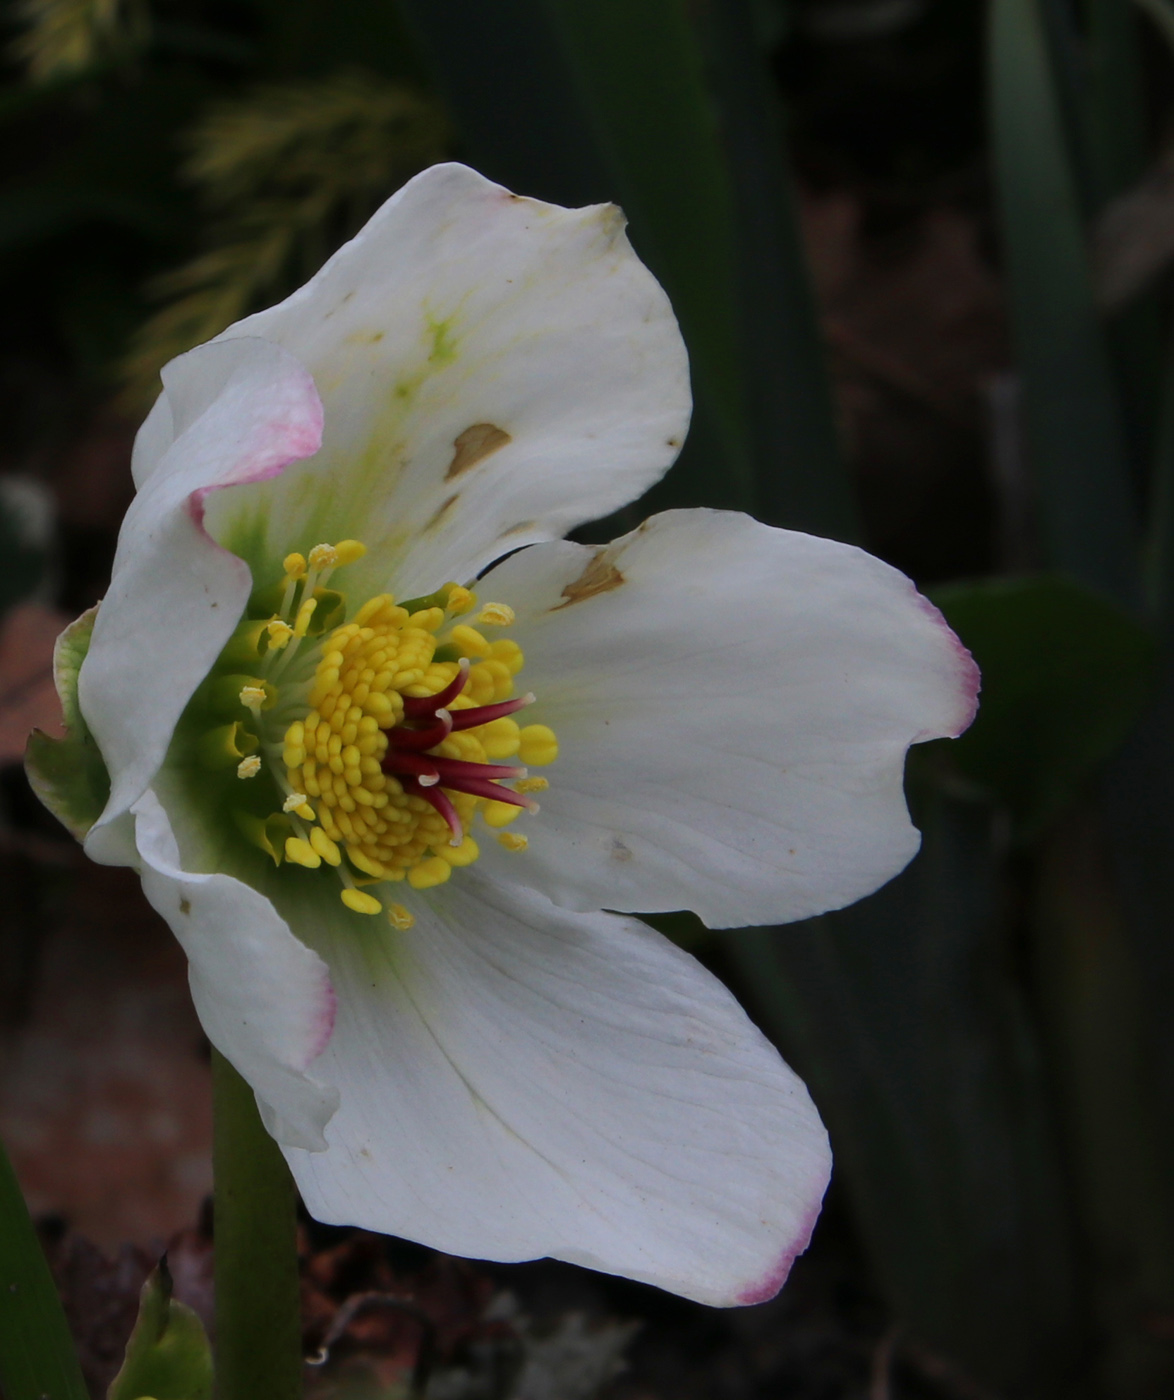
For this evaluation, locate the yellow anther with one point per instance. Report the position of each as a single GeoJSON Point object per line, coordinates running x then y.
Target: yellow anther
{"type": "Point", "coordinates": [538, 745]}
{"type": "Point", "coordinates": [252, 698]}
{"type": "Point", "coordinates": [496, 615]}
{"type": "Point", "coordinates": [464, 854]}
{"type": "Point", "coordinates": [468, 641]}
{"type": "Point", "coordinates": [499, 813]}
{"type": "Point", "coordinates": [509, 653]}
{"type": "Point", "coordinates": [532, 785]}
{"type": "Point", "coordinates": [325, 847]}
{"type": "Point", "coordinates": [365, 863]}
{"type": "Point", "coordinates": [460, 599]}
{"type": "Point", "coordinates": [323, 556]}
{"type": "Point", "coordinates": [512, 841]}
{"type": "Point", "coordinates": [427, 618]}
{"type": "Point", "coordinates": [294, 565]}
{"type": "Point", "coordinates": [361, 903]}
{"type": "Point", "coordinates": [302, 853]}
{"type": "Point", "coordinates": [399, 917]}
{"type": "Point", "coordinates": [305, 613]}
{"type": "Point", "coordinates": [372, 608]}
{"type": "Point", "coordinates": [349, 551]}
{"type": "Point", "coordinates": [279, 633]}
{"type": "Point", "coordinates": [428, 873]}
{"type": "Point", "coordinates": [295, 802]}
{"type": "Point", "coordinates": [500, 738]}
{"type": "Point", "coordinates": [248, 767]}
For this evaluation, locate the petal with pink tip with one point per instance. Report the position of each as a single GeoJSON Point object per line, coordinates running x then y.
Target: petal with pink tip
{"type": "Point", "coordinates": [239, 412]}
{"type": "Point", "coordinates": [495, 370]}
{"type": "Point", "coordinates": [733, 705]}
{"type": "Point", "coordinates": [517, 1081]}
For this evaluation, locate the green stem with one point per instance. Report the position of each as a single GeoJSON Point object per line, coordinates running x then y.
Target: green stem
{"type": "Point", "coordinates": [258, 1327]}
{"type": "Point", "coordinates": [37, 1359]}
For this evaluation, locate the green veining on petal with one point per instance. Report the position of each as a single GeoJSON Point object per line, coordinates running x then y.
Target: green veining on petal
{"type": "Point", "coordinates": [444, 345]}
{"type": "Point", "coordinates": [333, 496]}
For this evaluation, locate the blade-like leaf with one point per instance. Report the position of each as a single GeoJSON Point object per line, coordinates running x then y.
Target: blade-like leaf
{"type": "Point", "coordinates": [1075, 437]}
{"type": "Point", "coordinates": [37, 1358]}
{"type": "Point", "coordinates": [919, 1053]}
{"type": "Point", "coordinates": [801, 480]}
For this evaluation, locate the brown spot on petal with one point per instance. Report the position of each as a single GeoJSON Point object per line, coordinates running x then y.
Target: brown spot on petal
{"type": "Point", "coordinates": [600, 576]}
{"type": "Point", "coordinates": [441, 511]}
{"type": "Point", "coordinates": [473, 446]}
{"type": "Point", "coordinates": [185, 906]}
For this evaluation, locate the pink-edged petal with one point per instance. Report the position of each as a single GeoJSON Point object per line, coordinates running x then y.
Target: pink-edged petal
{"type": "Point", "coordinates": [733, 705]}
{"type": "Point", "coordinates": [519, 1081]}
{"type": "Point", "coordinates": [240, 412]}
{"type": "Point", "coordinates": [495, 370]}
{"type": "Point", "coordinates": [265, 1000]}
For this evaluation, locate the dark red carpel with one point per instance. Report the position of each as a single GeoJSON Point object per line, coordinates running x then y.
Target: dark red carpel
{"type": "Point", "coordinates": [427, 723]}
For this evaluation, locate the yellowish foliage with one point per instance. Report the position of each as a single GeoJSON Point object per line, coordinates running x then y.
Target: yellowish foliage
{"type": "Point", "coordinates": [286, 174]}
{"type": "Point", "coordinates": [68, 36]}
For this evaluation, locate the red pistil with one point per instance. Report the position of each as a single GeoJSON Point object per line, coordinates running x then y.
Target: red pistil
{"type": "Point", "coordinates": [483, 714]}
{"type": "Point", "coordinates": [420, 740]}
{"type": "Point", "coordinates": [425, 706]}
{"type": "Point", "coordinates": [428, 722]}
{"type": "Point", "coordinates": [439, 800]}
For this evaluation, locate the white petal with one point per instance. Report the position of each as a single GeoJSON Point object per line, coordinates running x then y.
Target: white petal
{"type": "Point", "coordinates": [264, 999]}
{"type": "Point", "coordinates": [733, 705]}
{"type": "Point", "coordinates": [520, 1081]}
{"type": "Point", "coordinates": [494, 370]}
{"type": "Point", "coordinates": [240, 412]}
{"type": "Point", "coordinates": [152, 440]}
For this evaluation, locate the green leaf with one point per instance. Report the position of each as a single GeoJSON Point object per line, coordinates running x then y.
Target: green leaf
{"type": "Point", "coordinates": [68, 775]}
{"type": "Point", "coordinates": [1065, 675]}
{"type": "Point", "coordinates": [37, 1359]}
{"type": "Point", "coordinates": [167, 1356]}
{"type": "Point", "coordinates": [800, 478]}
{"type": "Point", "coordinates": [1075, 438]}
{"type": "Point", "coordinates": [900, 1015]}
{"type": "Point", "coordinates": [640, 75]}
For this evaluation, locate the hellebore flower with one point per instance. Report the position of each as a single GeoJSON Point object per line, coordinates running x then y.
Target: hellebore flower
{"type": "Point", "coordinates": [385, 819]}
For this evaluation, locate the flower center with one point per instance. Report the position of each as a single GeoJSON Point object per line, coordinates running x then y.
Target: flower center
{"type": "Point", "coordinates": [389, 735]}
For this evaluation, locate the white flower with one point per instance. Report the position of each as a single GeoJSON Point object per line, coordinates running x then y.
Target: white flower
{"type": "Point", "coordinates": [490, 1063]}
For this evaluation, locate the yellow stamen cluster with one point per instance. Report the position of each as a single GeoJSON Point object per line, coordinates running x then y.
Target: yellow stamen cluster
{"type": "Point", "coordinates": [333, 757]}
{"type": "Point", "coordinates": [324, 710]}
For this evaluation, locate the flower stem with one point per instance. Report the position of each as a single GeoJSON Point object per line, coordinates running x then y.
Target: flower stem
{"type": "Point", "coordinates": [258, 1327]}
{"type": "Point", "coordinates": [37, 1359]}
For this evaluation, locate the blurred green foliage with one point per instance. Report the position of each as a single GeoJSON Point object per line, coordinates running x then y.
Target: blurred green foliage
{"type": "Point", "coordinates": [1065, 675]}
